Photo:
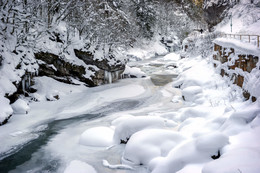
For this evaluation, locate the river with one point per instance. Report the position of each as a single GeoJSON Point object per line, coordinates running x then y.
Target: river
{"type": "Point", "coordinates": [48, 144]}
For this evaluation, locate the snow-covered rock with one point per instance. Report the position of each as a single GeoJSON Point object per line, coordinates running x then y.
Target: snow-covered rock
{"type": "Point", "coordinates": [133, 72]}
{"type": "Point", "coordinates": [20, 107]}
{"type": "Point", "coordinates": [150, 143]}
{"type": "Point", "coordinates": [97, 137]}
{"type": "Point", "coordinates": [192, 151]}
{"type": "Point", "coordinates": [131, 125]}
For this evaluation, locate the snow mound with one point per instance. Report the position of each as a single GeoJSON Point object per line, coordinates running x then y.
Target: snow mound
{"type": "Point", "coordinates": [131, 125]}
{"type": "Point", "coordinates": [150, 143]}
{"type": "Point", "coordinates": [20, 107]}
{"type": "Point", "coordinates": [192, 151]}
{"type": "Point", "coordinates": [97, 137]}
{"type": "Point", "coordinates": [77, 166]}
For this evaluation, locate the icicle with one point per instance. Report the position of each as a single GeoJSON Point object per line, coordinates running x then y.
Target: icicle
{"type": "Point", "coordinates": [29, 81]}
{"type": "Point", "coordinates": [108, 77]}
{"type": "Point", "coordinates": [116, 75]}
{"type": "Point", "coordinates": [23, 85]}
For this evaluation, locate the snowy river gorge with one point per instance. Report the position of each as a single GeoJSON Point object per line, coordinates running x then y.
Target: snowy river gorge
{"type": "Point", "coordinates": [182, 117]}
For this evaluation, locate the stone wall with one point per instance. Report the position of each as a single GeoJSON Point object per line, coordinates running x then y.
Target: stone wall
{"type": "Point", "coordinates": [236, 66]}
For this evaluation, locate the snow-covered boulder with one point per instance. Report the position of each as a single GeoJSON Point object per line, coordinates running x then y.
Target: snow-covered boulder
{"type": "Point", "coordinates": [193, 151]}
{"type": "Point", "coordinates": [97, 137]}
{"type": "Point", "coordinates": [5, 109]}
{"type": "Point", "coordinates": [131, 125]}
{"type": "Point", "coordinates": [20, 107]}
{"type": "Point", "coordinates": [150, 143]}
{"type": "Point", "coordinates": [77, 166]}
{"type": "Point", "coordinates": [133, 72]}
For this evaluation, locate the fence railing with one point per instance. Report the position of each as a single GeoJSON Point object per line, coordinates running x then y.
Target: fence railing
{"type": "Point", "coordinates": [244, 37]}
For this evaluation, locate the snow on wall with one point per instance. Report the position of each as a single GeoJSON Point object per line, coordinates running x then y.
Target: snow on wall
{"type": "Point", "coordinates": [240, 63]}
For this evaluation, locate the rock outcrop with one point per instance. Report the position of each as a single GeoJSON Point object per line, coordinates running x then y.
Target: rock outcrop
{"type": "Point", "coordinates": [214, 12]}
{"type": "Point", "coordinates": [52, 65]}
{"type": "Point", "coordinates": [108, 72]}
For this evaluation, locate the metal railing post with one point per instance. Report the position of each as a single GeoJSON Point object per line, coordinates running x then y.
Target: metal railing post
{"type": "Point", "coordinates": [258, 41]}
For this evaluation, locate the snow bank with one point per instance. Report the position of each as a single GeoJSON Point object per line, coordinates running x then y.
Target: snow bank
{"type": "Point", "coordinates": [6, 110]}
{"type": "Point", "coordinates": [131, 125]}
{"type": "Point", "coordinates": [77, 166]}
{"type": "Point", "coordinates": [50, 89]}
{"type": "Point", "coordinates": [195, 75]}
{"type": "Point", "coordinates": [97, 137]}
{"type": "Point", "coordinates": [242, 155]}
{"type": "Point", "coordinates": [150, 143]}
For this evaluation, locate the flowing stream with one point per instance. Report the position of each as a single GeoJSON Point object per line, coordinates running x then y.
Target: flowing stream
{"type": "Point", "coordinates": [52, 149]}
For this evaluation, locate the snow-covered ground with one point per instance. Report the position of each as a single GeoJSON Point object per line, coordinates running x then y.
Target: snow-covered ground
{"type": "Point", "coordinates": [166, 129]}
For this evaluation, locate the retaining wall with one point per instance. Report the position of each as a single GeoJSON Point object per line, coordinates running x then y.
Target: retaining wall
{"type": "Point", "coordinates": [237, 66]}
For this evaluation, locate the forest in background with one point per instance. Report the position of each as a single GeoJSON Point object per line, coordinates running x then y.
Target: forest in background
{"type": "Point", "coordinates": [110, 22]}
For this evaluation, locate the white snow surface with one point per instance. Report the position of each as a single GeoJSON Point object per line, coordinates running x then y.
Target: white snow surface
{"type": "Point", "coordinates": [165, 134]}
{"type": "Point", "coordinates": [77, 166]}
{"type": "Point", "coordinates": [6, 110]}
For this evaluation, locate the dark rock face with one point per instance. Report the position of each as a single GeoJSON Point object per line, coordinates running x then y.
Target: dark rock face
{"type": "Point", "coordinates": [213, 14]}
{"type": "Point", "coordinates": [88, 58]}
{"type": "Point", "coordinates": [57, 68]}
{"type": "Point", "coordinates": [62, 70]}
{"type": "Point", "coordinates": [107, 73]}
{"type": "Point", "coordinates": [1, 59]}
{"type": "Point", "coordinates": [23, 87]}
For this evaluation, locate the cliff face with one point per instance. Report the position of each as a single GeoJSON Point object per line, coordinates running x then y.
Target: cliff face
{"type": "Point", "coordinates": [215, 11]}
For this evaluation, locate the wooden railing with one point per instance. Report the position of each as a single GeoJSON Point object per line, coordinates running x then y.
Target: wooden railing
{"type": "Point", "coordinates": [243, 37]}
